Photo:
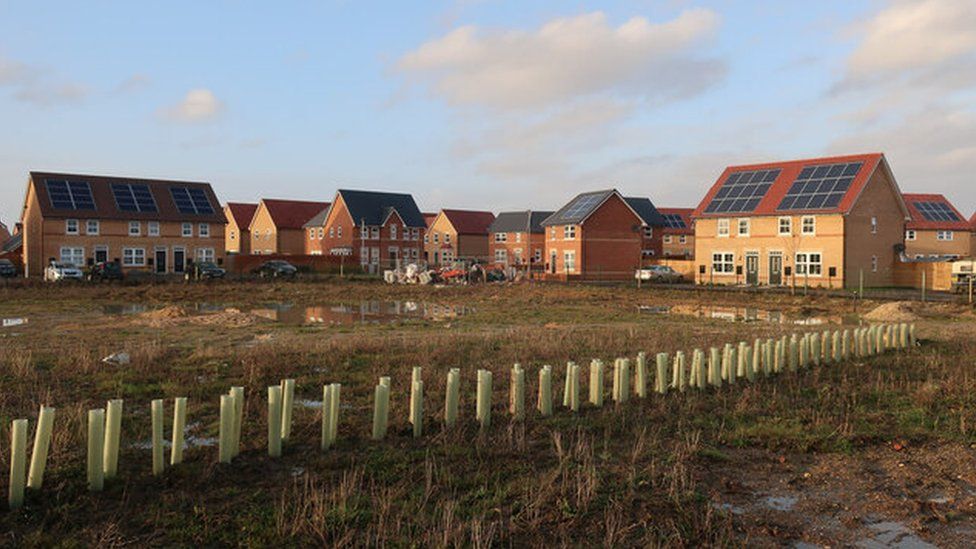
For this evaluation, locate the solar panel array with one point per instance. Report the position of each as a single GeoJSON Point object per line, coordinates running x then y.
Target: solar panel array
{"type": "Point", "coordinates": [674, 221]}
{"type": "Point", "coordinates": [820, 187]}
{"type": "Point", "coordinates": [936, 211]}
{"type": "Point", "coordinates": [70, 195]}
{"type": "Point", "coordinates": [191, 201]}
{"type": "Point", "coordinates": [134, 197]}
{"type": "Point", "coordinates": [742, 191]}
{"type": "Point", "coordinates": [582, 205]}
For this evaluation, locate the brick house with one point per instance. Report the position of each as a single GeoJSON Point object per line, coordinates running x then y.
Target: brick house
{"type": "Point", "coordinates": [651, 234]}
{"type": "Point", "coordinates": [823, 222]}
{"type": "Point", "coordinates": [457, 234]}
{"type": "Point", "coordinates": [595, 236]}
{"type": "Point", "coordinates": [937, 230]}
{"type": "Point", "coordinates": [517, 239]}
{"type": "Point", "coordinates": [376, 229]}
{"type": "Point", "coordinates": [315, 234]}
{"type": "Point", "coordinates": [143, 224]}
{"type": "Point", "coordinates": [678, 233]}
{"type": "Point", "coordinates": [4, 233]}
{"type": "Point", "coordinates": [237, 234]}
{"type": "Point", "coordinates": [278, 225]}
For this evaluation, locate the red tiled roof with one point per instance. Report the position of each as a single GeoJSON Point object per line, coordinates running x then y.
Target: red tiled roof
{"type": "Point", "coordinates": [788, 172]}
{"type": "Point", "coordinates": [429, 218]}
{"type": "Point", "coordinates": [685, 214]}
{"type": "Point", "coordinates": [292, 214]}
{"type": "Point", "coordinates": [243, 212]}
{"type": "Point", "coordinates": [469, 221]}
{"type": "Point", "coordinates": [919, 222]}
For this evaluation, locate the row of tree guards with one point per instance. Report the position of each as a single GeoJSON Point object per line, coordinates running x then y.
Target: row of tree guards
{"type": "Point", "coordinates": [727, 365]}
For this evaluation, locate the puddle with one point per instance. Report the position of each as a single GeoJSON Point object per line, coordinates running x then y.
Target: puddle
{"type": "Point", "coordinates": [893, 534]}
{"type": "Point", "coordinates": [11, 322]}
{"type": "Point", "coordinates": [310, 404]}
{"type": "Point", "coordinates": [781, 503]}
{"type": "Point", "coordinates": [366, 312]}
{"type": "Point", "coordinates": [728, 507]}
{"type": "Point", "coordinates": [745, 314]}
{"type": "Point", "coordinates": [189, 441]}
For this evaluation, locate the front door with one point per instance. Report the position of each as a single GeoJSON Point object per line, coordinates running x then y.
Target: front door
{"type": "Point", "coordinates": [160, 261]}
{"type": "Point", "coordinates": [101, 255]}
{"type": "Point", "coordinates": [179, 260]}
{"type": "Point", "coordinates": [552, 262]}
{"type": "Point", "coordinates": [752, 268]}
{"type": "Point", "coordinates": [775, 269]}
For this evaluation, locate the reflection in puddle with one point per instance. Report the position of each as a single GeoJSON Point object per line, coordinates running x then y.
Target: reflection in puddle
{"type": "Point", "coordinates": [189, 441]}
{"type": "Point", "coordinates": [781, 503]}
{"type": "Point", "coordinates": [744, 314]}
{"type": "Point", "coordinates": [366, 312]}
{"type": "Point", "coordinates": [893, 534]}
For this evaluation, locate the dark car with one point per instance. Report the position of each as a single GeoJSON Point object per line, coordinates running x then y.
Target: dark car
{"type": "Point", "coordinates": [205, 270]}
{"type": "Point", "coordinates": [105, 270]}
{"type": "Point", "coordinates": [7, 269]}
{"type": "Point", "coordinates": [276, 268]}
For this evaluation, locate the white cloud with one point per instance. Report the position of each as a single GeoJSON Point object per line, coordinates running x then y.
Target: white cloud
{"type": "Point", "coordinates": [567, 58]}
{"type": "Point", "coordinates": [199, 105]}
{"type": "Point", "coordinates": [38, 86]}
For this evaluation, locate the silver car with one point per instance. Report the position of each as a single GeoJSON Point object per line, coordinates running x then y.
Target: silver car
{"type": "Point", "coordinates": [58, 271]}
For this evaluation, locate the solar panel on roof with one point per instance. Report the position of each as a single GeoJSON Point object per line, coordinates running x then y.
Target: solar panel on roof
{"type": "Point", "coordinates": [70, 195]}
{"type": "Point", "coordinates": [936, 211]}
{"type": "Point", "coordinates": [581, 205]}
{"type": "Point", "coordinates": [134, 197]}
{"type": "Point", "coordinates": [820, 187]}
{"type": "Point", "coordinates": [191, 201]}
{"type": "Point", "coordinates": [742, 191]}
{"type": "Point", "coordinates": [674, 221]}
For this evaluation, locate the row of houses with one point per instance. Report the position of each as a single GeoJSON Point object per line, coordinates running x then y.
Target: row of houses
{"type": "Point", "coordinates": [832, 221]}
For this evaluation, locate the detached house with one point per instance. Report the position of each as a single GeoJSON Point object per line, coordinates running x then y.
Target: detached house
{"type": "Point", "coordinates": [377, 229]}
{"type": "Point", "coordinates": [140, 223]}
{"type": "Point", "coordinates": [237, 235]}
{"type": "Point", "coordinates": [278, 225]}
{"type": "Point", "coordinates": [825, 222]}
{"type": "Point", "coordinates": [596, 236]}
{"type": "Point", "coordinates": [517, 239]}
{"type": "Point", "coordinates": [455, 234]}
{"type": "Point", "coordinates": [315, 241]}
{"type": "Point", "coordinates": [651, 234]}
{"type": "Point", "coordinates": [678, 235]}
{"type": "Point", "coordinates": [936, 230]}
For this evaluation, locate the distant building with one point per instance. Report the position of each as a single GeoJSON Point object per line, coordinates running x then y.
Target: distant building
{"type": "Point", "coordinates": [4, 233]}
{"type": "Point", "coordinates": [595, 236]}
{"type": "Point", "coordinates": [315, 240]}
{"type": "Point", "coordinates": [678, 234]}
{"type": "Point", "coordinates": [651, 232]}
{"type": "Point", "coordinates": [278, 225]}
{"type": "Point", "coordinates": [937, 230]}
{"type": "Point", "coordinates": [819, 222]}
{"type": "Point", "coordinates": [457, 234]}
{"type": "Point", "coordinates": [144, 224]}
{"type": "Point", "coordinates": [517, 239]}
{"type": "Point", "coordinates": [237, 235]}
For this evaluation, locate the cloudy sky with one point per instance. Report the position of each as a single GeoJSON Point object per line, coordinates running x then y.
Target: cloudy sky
{"type": "Point", "coordinates": [484, 104]}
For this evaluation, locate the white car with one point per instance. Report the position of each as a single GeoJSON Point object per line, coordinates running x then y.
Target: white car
{"type": "Point", "coordinates": [58, 271]}
{"type": "Point", "coordinates": [658, 273]}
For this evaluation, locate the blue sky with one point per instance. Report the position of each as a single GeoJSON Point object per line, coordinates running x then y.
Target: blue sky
{"type": "Point", "coordinates": [483, 104]}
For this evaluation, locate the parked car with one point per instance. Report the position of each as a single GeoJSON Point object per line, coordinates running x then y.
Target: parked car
{"type": "Point", "coordinates": [105, 270]}
{"type": "Point", "coordinates": [276, 268]}
{"type": "Point", "coordinates": [205, 270]}
{"type": "Point", "coordinates": [658, 273]}
{"type": "Point", "coordinates": [58, 271]}
{"type": "Point", "coordinates": [7, 269]}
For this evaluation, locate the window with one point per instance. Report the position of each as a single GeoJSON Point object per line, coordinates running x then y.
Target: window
{"type": "Point", "coordinates": [187, 229]}
{"type": "Point", "coordinates": [501, 256]}
{"type": "Point", "coordinates": [723, 227]}
{"type": "Point", "coordinates": [393, 232]}
{"type": "Point", "coordinates": [874, 225]}
{"type": "Point", "coordinates": [70, 226]}
{"type": "Point", "coordinates": [682, 239]}
{"type": "Point", "coordinates": [569, 260]}
{"type": "Point", "coordinates": [501, 237]}
{"type": "Point", "coordinates": [648, 232]}
{"type": "Point", "coordinates": [667, 239]}
{"type": "Point", "coordinates": [311, 234]}
{"type": "Point", "coordinates": [910, 234]}
{"type": "Point", "coordinates": [944, 235]}
{"type": "Point", "coordinates": [205, 254]}
{"type": "Point", "coordinates": [809, 225]}
{"type": "Point", "coordinates": [321, 233]}
{"type": "Point", "coordinates": [203, 230]}
{"type": "Point", "coordinates": [743, 227]}
{"type": "Point", "coordinates": [364, 253]}
{"type": "Point", "coordinates": [339, 231]}
{"type": "Point", "coordinates": [874, 263]}
{"type": "Point", "coordinates": [447, 238]}
{"type": "Point", "coordinates": [74, 256]}
{"type": "Point", "coordinates": [135, 228]}
{"type": "Point", "coordinates": [153, 228]}
{"type": "Point", "coordinates": [233, 235]}
{"type": "Point", "coordinates": [518, 237]}
{"type": "Point", "coordinates": [723, 263]}
{"type": "Point", "coordinates": [363, 232]}
{"type": "Point", "coordinates": [785, 226]}
{"type": "Point", "coordinates": [537, 256]}
{"type": "Point", "coordinates": [569, 232]}
{"type": "Point", "coordinates": [809, 264]}
{"type": "Point", "coordinates": [92, 227]}
{"type": "Point", "coordinates": [374, 255]}
{"type": "Point", "coordinates": [518, 256]}
{"type": "Point", "coordinates": [133, 257]}
{"type": "Point", "coordinates": [374, 233]}
{"type": "Point", "coordinates": [552, 233]}
{"type": "Point", "coordinates": [426, 238]}
{"type": "Point", "coordinates": [415, 234]}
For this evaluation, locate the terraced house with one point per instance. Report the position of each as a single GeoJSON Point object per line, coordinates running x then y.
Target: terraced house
{"type": "Point", "coordinates": [278, 226]}
{"type": "Point", "coordinates": [457, 234]}
{"type": "Point", "coordinates": [937, 230]}
{"type": "Point", "coordinates": [517, 239]}
{"type": "Point", "coordinates": [678, 234]}
{"type": "Point", "coordinates": [143, 224]}
{"type": "Point", "coordinates": [376, 229]}
{"type": "Point", "coordinates": [825, 222]}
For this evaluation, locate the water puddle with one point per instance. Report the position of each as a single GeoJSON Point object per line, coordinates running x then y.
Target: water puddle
{"type": "Point", "coordinates": [781, 503]}
{"type": "Point", "coordinates": [189, 441]}
{"type": "Point", "coordinates": [892, 534]}
{"type": "Point", "coordinates": [745, 314]}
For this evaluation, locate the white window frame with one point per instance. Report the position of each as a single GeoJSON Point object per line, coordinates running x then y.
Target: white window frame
{"type": "Point", "coordinates": [945, 236]}
{"type": "Point", "coordinates": [320, 232]}
{"type": "Point", "coordinates": [785, 226]}
{"type": "Point", "coordinates": [363, 232]}
{"type": "Point", "coordinates": [205, 254]}
{"type": "Point", "coordinates": [132, 259]}
{"type": "Point", "coordinates": [667, 239]}
{"type": "Point", "coordinates": [92, 227]}
{"type": "Point", "coordinates": [203, 230]}
{"type": "Point", "coordinates": [874, 263]}
{"type": "Point", "coordinates": [501, 256]}
{"type": "Point", "coordinates": [805, 265]}
{"type": "Point", "coordinates": [910, 235]}
{"type": "Point", "coordinates": [537, 255]}
{"type": "Point", "coordinates": [501, 237]}
{"type": "Point", "coordinates": [363, 254]}
{"type": "Point", "coordinates": [518, 237]}
{"type": "Point", "coordinates": [722, 228]}
{"type": "Point", "coordinates": [374, 233]}
{"type": "Point", "coordinates": [152, 228]}
{"type": "Point", "coordinates": [569, 260]}
{"type": "Point", "coordinates": [393, 232]}
{"type": "Point", "coordinates": [135, 228]}
{"type": "Point", "coordinates": [71, 226]}
{"type": "Point", "coordinates": [874, 225]}
{"type": "Point", "coordinates": [426, 238]}
{"type": "Point", "coordinates": [447, 238]}
{"type": "Point", "coordinates": [68, 254]}
{"type": "Point", "coordinates": [339, 231]}
{"type": "Point", "coordinates": [648, 231]}
{"type": "Point", "coordinates": [437, 238]}
{"type": "Point", "coordinates": [186, 230]}
{"type": "Point", "coordinates": [743, 221]}
{"type": "Point", "coordinates": [723, 263]}
{"type": "Point", "coordinates": [682, 239]}
{"type": "Point", "coordinates": [569, 233]}
{"type": "Point", "coordinates": [812, 225]}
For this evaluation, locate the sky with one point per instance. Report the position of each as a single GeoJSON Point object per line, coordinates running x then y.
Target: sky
{"type": "Point", "coordinates": [483, 104]}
